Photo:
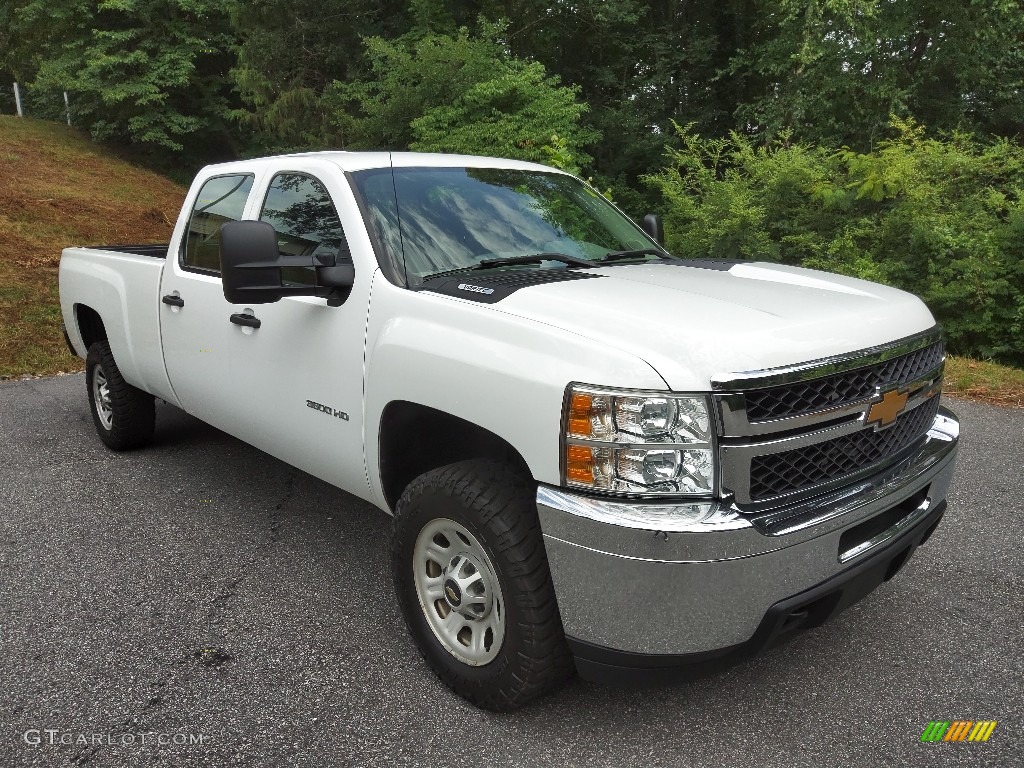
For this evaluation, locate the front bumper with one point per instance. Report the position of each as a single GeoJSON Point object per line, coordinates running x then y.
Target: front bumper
{"type": "Point", "coordinates": [649, 587]}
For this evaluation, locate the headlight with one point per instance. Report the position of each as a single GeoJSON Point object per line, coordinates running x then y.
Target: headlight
{"type": "Point", "coordinates": [638, 442]}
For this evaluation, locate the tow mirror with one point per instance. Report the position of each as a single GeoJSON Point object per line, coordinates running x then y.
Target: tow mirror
{"type": "Point", "coordinates": [248, 262]}
{"type": "Point", "coordinates": [652, 226]}
{"type": "Point", "coordinates": [251, 264]}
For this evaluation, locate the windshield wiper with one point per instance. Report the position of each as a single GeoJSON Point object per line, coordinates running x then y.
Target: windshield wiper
{"type": "Point", "coordinates": [533, 258]}
{"type": "Point", "coordinates": [620, 255]}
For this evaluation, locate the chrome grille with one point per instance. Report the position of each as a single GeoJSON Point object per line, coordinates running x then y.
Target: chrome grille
{"type": "Point", "coordinates": [788, 432]}
{"type": "Point", "coordinates": [840, 389]}
{"type": "Point", "coordinates": [781, 473]}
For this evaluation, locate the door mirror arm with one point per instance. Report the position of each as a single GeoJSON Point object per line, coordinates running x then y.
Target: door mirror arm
{"type": "Point", "coordinates": [337, 279]}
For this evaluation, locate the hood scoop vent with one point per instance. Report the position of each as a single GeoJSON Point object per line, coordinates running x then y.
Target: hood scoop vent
{"type": "Point", "coordinates": [492, 287]}
{"type": "Point", "coordinates": [719, 265]}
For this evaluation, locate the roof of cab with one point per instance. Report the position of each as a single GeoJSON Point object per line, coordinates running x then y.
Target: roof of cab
{"type": "Point", "coordinates": [359, 161]}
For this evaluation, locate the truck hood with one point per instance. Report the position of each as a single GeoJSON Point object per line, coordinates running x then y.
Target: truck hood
{"type": "Point", "coordinates": [692, 323]}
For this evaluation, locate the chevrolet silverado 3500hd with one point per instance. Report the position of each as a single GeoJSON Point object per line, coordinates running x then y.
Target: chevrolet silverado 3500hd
{"type": "Point", "coordinates": [599, 457]}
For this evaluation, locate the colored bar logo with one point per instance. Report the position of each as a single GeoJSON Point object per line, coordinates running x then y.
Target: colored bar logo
{"type": "Point", "coordinates": [959, 730]}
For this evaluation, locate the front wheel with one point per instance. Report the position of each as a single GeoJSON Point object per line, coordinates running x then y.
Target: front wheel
{"type": "Point", "coordinates": [124, 415]}
{"type": "Point", "coordinates": [472, 579]}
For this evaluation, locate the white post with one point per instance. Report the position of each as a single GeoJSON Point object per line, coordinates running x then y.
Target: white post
{"type": "Point", "coordinates": [17, 100]}
{"type": "Point", "coordinates": [67, 108]}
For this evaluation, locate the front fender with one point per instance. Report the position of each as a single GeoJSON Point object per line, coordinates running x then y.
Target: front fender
{"type": "Point", "coordinates": [504, 373]}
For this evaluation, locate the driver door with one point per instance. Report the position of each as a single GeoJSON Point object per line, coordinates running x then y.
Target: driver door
{"type": "Point", "coordinates": [293, 385]}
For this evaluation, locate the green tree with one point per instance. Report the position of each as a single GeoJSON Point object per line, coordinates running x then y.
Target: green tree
{"type": "Point", "coordinates": [149, 72]}
{"type": "Point", "coordinates": [290, 52]}
{"type": "Point", "coordinates": [456, 93]}
{"type": "Point", "coordinates": [638, 65]}
{"type": "Point", "coordinates": [834, 70]}
{"type": "Point", "coordinates": [518, 112]}
{"type": "Point", "coordinates": [7, 64]}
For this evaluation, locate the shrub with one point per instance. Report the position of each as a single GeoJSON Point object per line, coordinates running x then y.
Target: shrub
{"type": "Point", "coordinates": [940, 217]}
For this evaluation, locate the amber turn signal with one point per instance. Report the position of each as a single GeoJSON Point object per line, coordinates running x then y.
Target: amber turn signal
{"type": "Point", "coordinates": [579, 414]}
{"type": "Point", "coordinates": [579, 464]}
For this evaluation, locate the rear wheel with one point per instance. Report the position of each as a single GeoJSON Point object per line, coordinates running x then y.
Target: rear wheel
{"type": "Point", "coordinates": [124, 415]}
{"type": "Point", "coordinates": [472, 579]}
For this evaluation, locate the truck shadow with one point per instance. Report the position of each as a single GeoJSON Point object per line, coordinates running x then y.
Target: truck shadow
{"type": "Point", "coordinates": [176, 429]}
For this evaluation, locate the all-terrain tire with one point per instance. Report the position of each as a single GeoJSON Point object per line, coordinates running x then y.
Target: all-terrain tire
{"type": "Point", "coordinates": [497, 505]}
{"type": "Point", "coordinates": [124, 415]}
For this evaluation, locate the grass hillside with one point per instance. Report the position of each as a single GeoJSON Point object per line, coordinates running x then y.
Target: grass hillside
{"type": "Point", "coordinates": [57, 189]}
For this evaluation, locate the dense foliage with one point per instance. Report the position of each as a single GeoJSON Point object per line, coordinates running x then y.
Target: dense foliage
{"type": "Point", "coordinates": [453, 93]}
{"type": "Point", "coordinates": [149, 72]}
{"type": "Point", "coordinates": [944, 219]}
{"type": "Point", "coordinates": [790, 152]}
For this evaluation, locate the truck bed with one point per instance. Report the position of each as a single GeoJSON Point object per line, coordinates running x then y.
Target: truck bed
{"type": "Point", "coordinates": [120, 283]}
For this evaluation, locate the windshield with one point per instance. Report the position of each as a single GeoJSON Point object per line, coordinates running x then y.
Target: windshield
{"type": "Point", "coordinates": [441, 219]}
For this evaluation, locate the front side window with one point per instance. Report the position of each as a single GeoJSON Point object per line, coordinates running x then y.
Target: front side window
{"type": "Point", "coordinates": [306, 222]}
{"type": "Point", "coordinates": [221, 199]}
{"type": "Point", "coordinates": [442, 219]}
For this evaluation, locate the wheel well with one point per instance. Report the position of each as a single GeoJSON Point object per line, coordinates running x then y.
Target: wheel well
{"type": "Point", "coordinates": [90, 325]}
{"type": "Point", "coordinates": [415, 439]}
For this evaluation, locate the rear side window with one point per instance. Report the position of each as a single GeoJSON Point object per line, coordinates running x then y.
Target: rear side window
{"type": "Point", "coordinates": [306, 221]}
{"type": "Point", "coordinates": [221, 199]}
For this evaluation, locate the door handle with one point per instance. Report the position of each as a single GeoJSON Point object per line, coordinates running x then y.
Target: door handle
{"type": "Point", "coordinates": [247, 320]}
{"type": "Point", "coordinates": [173, 301]}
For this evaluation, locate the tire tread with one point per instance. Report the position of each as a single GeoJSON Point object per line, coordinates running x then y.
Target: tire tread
{"type": "Point", "coordinates": [502, 502]}
{"type": "Point", "coordinates": [134, 410]}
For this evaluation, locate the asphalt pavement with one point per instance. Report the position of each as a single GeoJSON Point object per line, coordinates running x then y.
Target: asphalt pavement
{"type": "Point", "coordinates": [201, 591]}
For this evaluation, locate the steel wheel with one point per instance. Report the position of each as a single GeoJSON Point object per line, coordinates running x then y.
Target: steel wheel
{"type": "Point", "coordinates": [458, 591]}
{"type": "Point", "coordinates": [101, 397]}
{"type": "Point", "coordinates": [472, 579]}
{"type": "Point", "coordinates": [122, 414]}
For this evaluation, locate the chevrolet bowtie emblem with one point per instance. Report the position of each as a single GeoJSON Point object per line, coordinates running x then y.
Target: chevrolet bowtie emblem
{"type": "Point", "coordinates": [885, 411]}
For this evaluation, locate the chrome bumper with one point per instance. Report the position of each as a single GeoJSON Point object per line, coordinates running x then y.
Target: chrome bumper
{"type": "Point", "coordinates": [698, 577]}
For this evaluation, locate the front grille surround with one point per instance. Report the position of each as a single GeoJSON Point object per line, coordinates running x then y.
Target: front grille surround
{"type": "Point", "coordinates": [842, 388]}
{"type": "Point", "coordinates": [787, 434]}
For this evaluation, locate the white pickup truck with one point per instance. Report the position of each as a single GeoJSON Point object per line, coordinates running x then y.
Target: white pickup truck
{"type": "Point", "coordinates": [599, 457]}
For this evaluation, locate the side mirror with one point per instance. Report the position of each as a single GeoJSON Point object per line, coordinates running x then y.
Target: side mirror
{"type": "Point", "coordinates": [251, 263]}
{"type": "Point", "coordinates": [248, 262]}
{"type": "Point", "coordinates": [652, 226]}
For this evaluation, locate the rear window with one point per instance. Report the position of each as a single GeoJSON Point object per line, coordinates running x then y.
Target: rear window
{"type": "Point", "coordinates": [221, 199]}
